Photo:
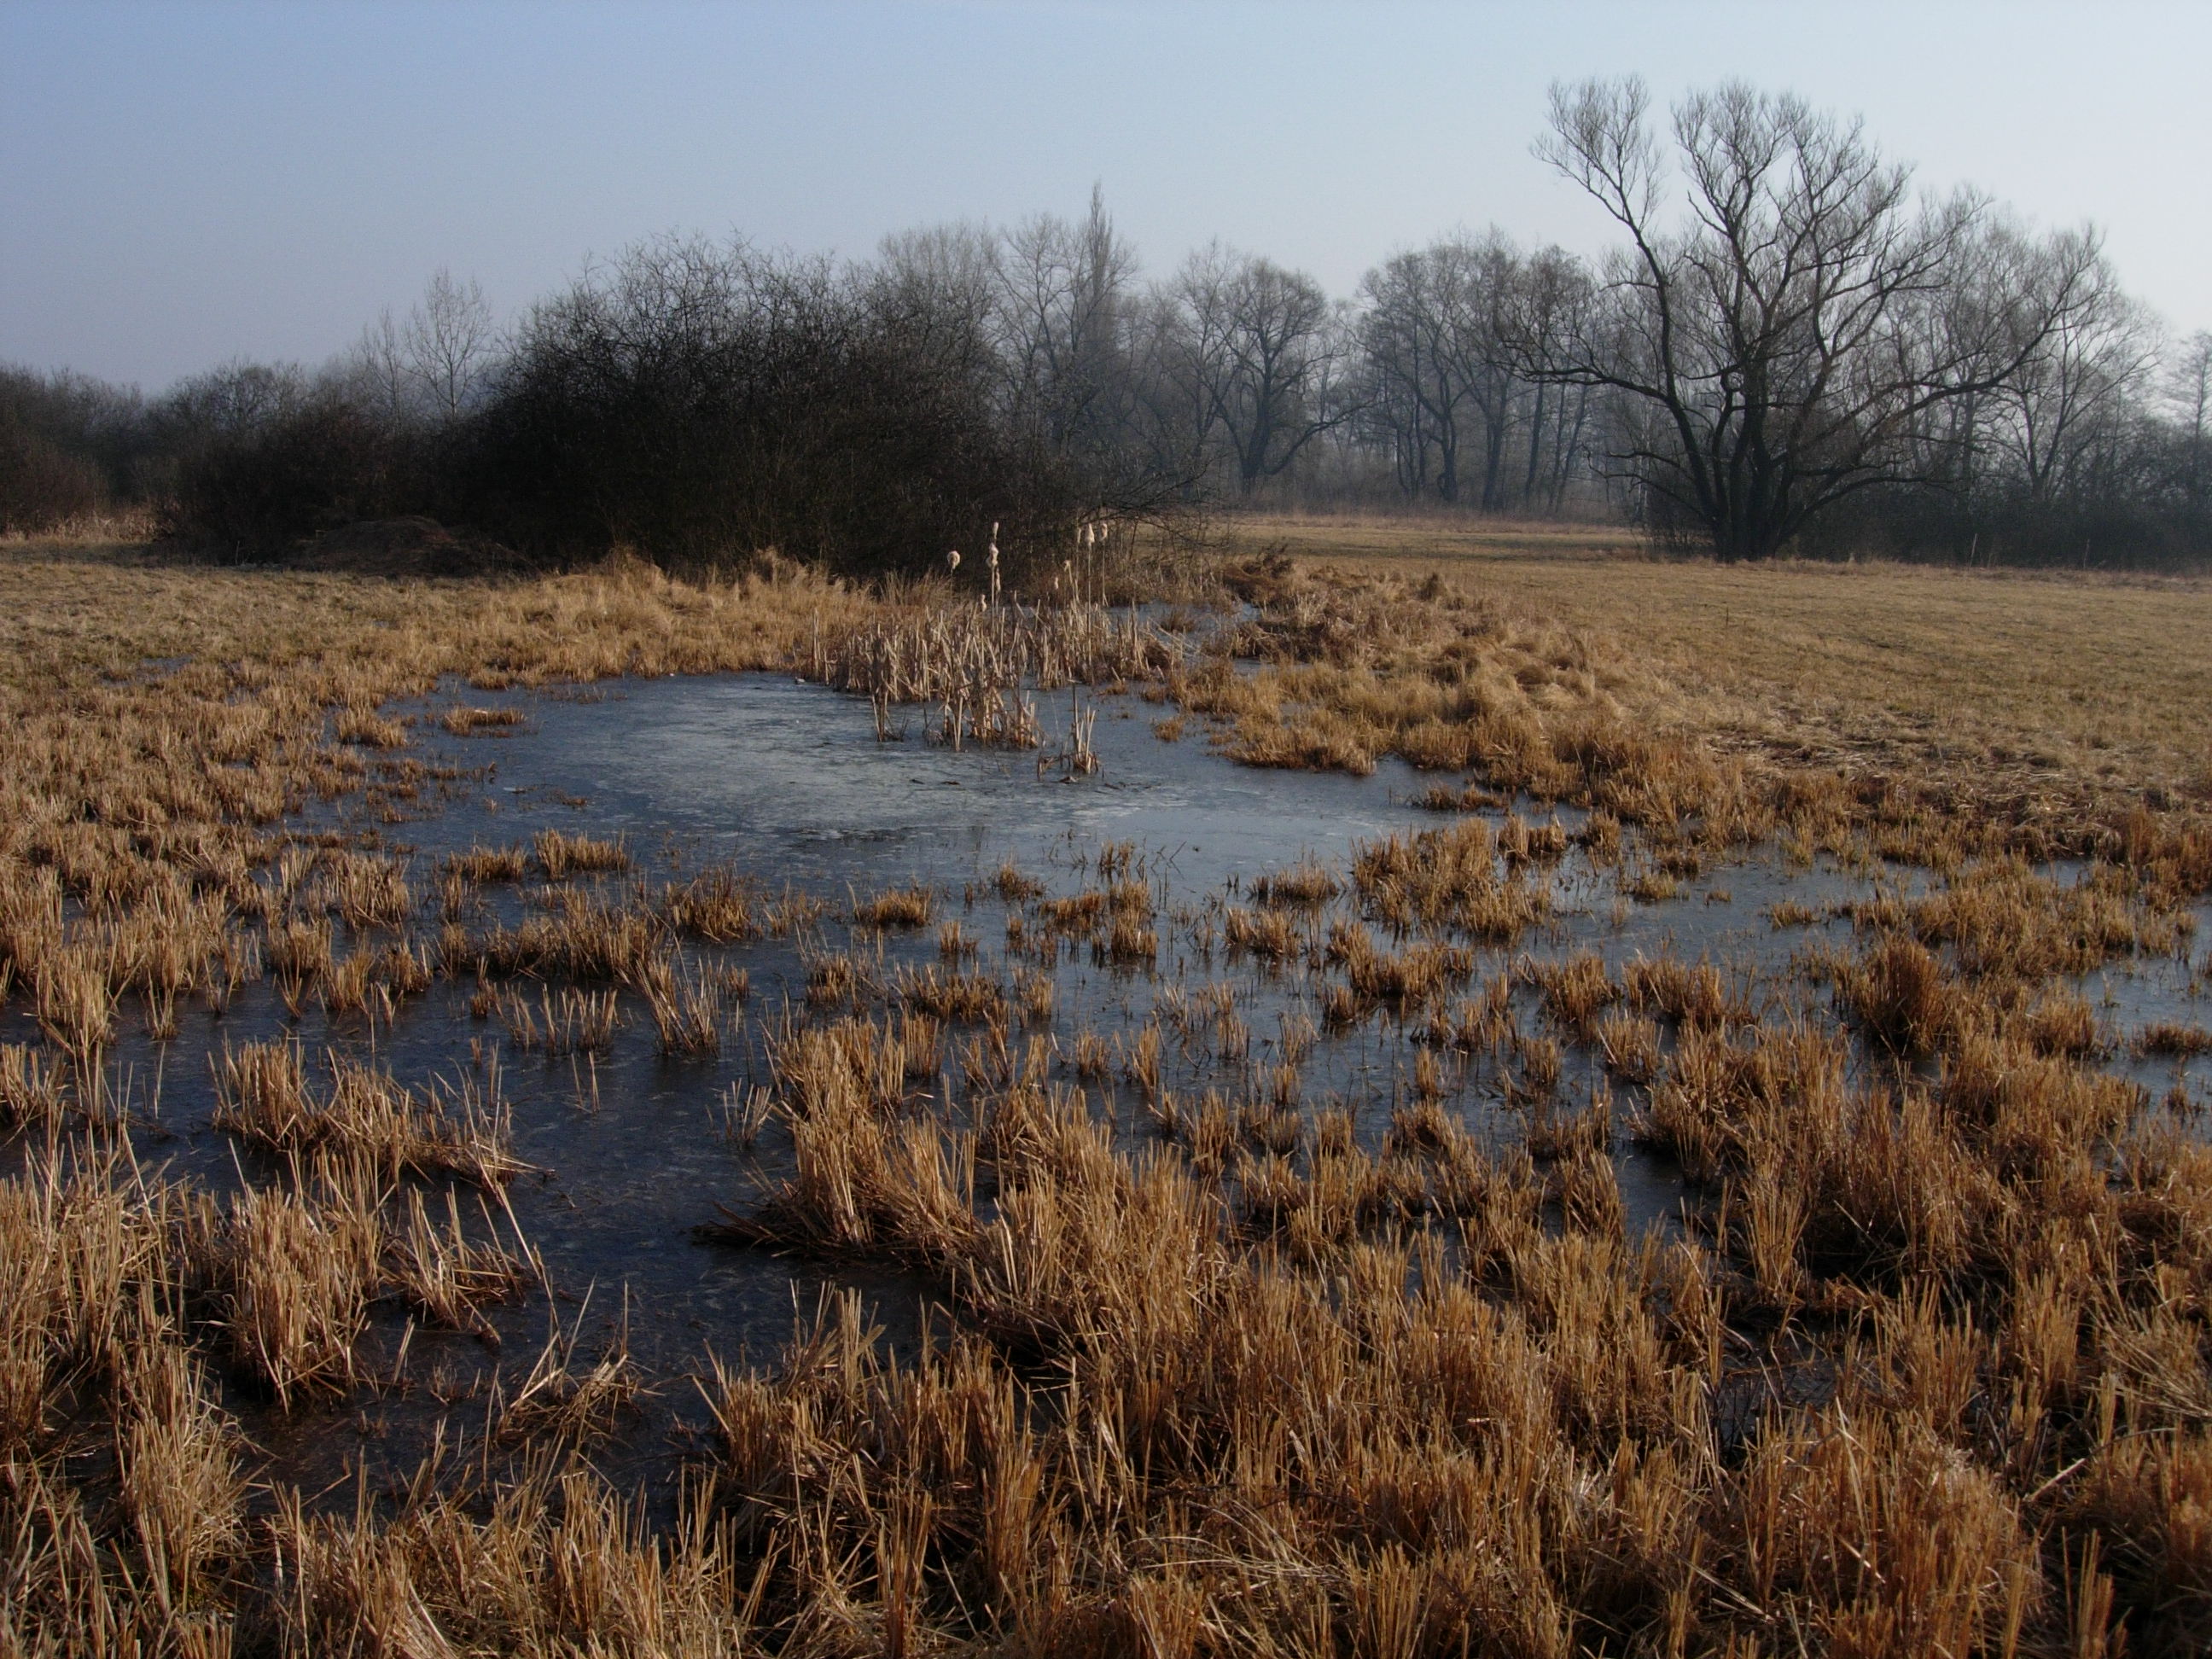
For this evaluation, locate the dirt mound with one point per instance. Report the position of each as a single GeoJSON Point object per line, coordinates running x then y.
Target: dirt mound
{"type": "Point", "coordinates": [410, 546]}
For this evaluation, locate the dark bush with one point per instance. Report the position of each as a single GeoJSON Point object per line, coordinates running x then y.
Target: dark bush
{"type": "Point", "coordinates": [257, 492]}
{"type": "Point", "coordinates": [69, 444]}
{"type": "Point", "coordinates": [41, 485]}
{"type": "Point", "coordinates": [695, 403]}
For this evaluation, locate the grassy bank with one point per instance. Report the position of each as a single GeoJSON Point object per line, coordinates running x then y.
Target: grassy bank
{"type": "Point", "coordinates": [2027, 676]}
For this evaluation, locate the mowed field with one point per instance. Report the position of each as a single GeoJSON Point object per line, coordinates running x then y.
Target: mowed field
{"type": "Point", "coordinates": [2017, 674]}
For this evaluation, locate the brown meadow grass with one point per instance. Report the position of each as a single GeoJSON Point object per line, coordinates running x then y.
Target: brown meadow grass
{"type": "Point", "coordinates": [2033, 680]}
{"type": "Point", "coordinates": [1924, 1369]}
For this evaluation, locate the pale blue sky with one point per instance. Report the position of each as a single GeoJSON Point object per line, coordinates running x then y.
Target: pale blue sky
{"type": "Point", "coordinates": [183, 183]}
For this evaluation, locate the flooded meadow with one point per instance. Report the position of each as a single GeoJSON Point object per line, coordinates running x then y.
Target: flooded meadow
{"type": "Point", "coordinates": [1233, 1022]}
{"type": "Point", "coordinates": [982, 1153]}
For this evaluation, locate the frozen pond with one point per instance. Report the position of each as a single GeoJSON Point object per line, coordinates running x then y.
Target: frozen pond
{"type": "Point", "coordinates": [632, 1150]}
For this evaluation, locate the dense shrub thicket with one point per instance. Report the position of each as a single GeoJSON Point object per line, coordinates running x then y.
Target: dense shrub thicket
{"type": "Point", "coordinates": [66, 448]}
{"type": "Point", "coordinates": [690, 402]}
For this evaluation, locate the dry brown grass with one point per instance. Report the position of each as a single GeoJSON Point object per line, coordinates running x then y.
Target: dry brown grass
{"type": "Point", "coordinates": [2028, 682]}
{"type": "Point", "coordinates": [1355, 667]}
{"type": "Point", "coordinates": [686, 1003]}
{"type": "Point", "coordinates": [2170, 1037]}
{"type": "Point", "coordinates": [561, 855]}
{"type": "Point", "coordinates": [445, 1274]}
{"type": "Point", "coordinates": [464, 1128]}
{"type": "Point", "coordinates": [970, 997]}
{"type": "Point", "coordinates": [1268, 933]}
{"type": "Point", "coordinates": [1575, 991]}
{"type": "Point", "coordinates": [483, 864]}
{"type": "Point", "coordinates": [566, 1021]}
{"type": "Point", "coordinates": [1447, 878]}
{"type": "Point", "coordinates": [719, 905]}
{"type": "Point", "coordinates": [1305, 883]}
{"type": "Point", "coordinates": [299, 1276]}
{"type": "Point", "coordinates": [895, 906]}
{"type": "Point", "coordinates": [1426, 1450]}
{"type": "Point", "coordinates": [464, 720]}
{"type": "Point", "coordinates": [974, 664]}
{"type": "Point", "coordinates": [1925, 1371]}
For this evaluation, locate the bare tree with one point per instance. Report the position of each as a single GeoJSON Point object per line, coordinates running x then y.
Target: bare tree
{"type": "Point", "coordinates": [2061, 408]}
{"type": "Point", "coordinates": [448, 340]}
{"type": "Point", "coordinates": [2188, 392]}
{"type": "Point", "coordinates": [1411, 337]}
{"type": "Point", "coordinates": [1548, 307]}
{"type": "Point", "coordinates": [1266, 350]}
{"type": "Point", "coordinates": [1447, 337]}
{"type": "Point", "coordinates": [1187, 344]}
{"type": "Point", "coordinates": [1177, 359]}
{"type": "Point", "coordinates": [378, 374]}
{"type": "Point", "coordinates": [942, 284]}
{"type": "Point", "coordinates": [238, 398]}
{"type": "Point", "coordinates": [1489, 271]}
{"type": "Point", "coordinates": [1772, 357]}
{"type": "Point", "coordinates": [1062, 297]}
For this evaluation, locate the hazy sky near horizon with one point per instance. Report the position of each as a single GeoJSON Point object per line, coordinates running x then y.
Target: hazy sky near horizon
{"type": "Point", "coordinates": [181, 184]}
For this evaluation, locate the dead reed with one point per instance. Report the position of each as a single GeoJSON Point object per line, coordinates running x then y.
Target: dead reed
{"type": "Point", "coordinates": [686, 1003]}
{"type": "Point", "coordinates": [895, 907]}
{"type": "Point", "coordinates": [560, 855]}
{"type": "Point", "coordinates": [974, 663]}
{"type": "Point", "coordinates": [265, 1095]}
{"type": "Point", "coordinates": [444, 1273]}
{"type": "Point", "coordinates": [566, 1021]}
{"type": "Point", "coordinates": [486, 864]}
{"type": "Point", "coordinates": [463, 719]}
{"type": "Point", "coordinates": [718, 905]}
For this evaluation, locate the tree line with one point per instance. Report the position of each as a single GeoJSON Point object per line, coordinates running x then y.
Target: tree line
{"type": "Point", "coordinates": [1789, 348]}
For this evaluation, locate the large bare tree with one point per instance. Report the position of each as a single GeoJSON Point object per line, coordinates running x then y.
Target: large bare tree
{"type": "Point", "coordinates": [2188, 393]}
{"type": "Point", "coordinates": [940, 285]}
{"type": "Point", "coordinates": [1062, 306]}
{"type": "Point", "coordinates": [1777, 350]}
{"type": "Point", "coordinates": [1446, 339]}
{"type": "Point", "coordinates": [2061, 413]}
{"type": "Point", "coordinates": [1425, 343]}
{"type": "Point", "coordinates": [1264, 350]}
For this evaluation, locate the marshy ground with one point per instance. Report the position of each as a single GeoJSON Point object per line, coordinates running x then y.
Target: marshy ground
{"type": "Point", "coordinates": [1476, 1095]}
